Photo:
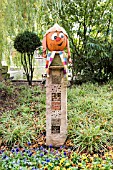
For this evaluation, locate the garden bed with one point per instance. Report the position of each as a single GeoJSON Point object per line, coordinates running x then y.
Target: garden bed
{"type": "Point", "coordinates": [23, 129]}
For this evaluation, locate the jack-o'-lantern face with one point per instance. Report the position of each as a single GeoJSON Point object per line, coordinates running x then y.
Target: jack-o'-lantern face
{"type": "Point", "coordinates": [56, 41]}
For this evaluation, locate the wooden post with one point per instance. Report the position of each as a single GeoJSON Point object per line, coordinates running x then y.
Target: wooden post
{"type": "Point", "coordinates": [56, 104]}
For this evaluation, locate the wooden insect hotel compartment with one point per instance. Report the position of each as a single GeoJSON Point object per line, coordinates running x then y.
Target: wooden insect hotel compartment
{"type": "Point", "coordinates": [56, 104]}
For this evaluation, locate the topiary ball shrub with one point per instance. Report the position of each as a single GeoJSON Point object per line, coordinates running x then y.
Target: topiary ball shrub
{"type": "Point", "coordinates": [26, 42]}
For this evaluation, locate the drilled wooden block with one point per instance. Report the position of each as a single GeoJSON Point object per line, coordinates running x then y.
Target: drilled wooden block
{"type": "Point", "coordinates": [56, 105]}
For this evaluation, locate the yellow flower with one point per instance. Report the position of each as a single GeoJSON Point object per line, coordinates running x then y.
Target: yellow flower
{"type": "Point", "coordinates": [103, 162]}
{"type": "Point", "coordinates": [111, 152]}
{"type": "Point", "coordinates": [56, 168]}
{"type": "Point", "coordinates": [95, 155]}
{"type": "Point", "coordinates": [106, 154]}
{"type": "Point", "coordinates": [50, 164]}
{"type": "Point", "coordinates": [84, 157]}
{"type": "Point", "coordinates": [62, 160]}
{"type": "Point", "coordinates": [67, 164]}
{"type": "Point", "coordinates": [99, 165]}
{"type": "Point", "coordinates": [71, 156]}
{"type": "Point", "coordinates": [79, 164]}
{"type": "Point", "coordinates": [64, 169]}
{"type": "Point", "coordinates": [89, 165]}
{"type": "Point", "coordinates": [91, 158]}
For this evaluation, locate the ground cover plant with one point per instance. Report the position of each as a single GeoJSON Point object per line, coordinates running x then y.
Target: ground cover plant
{"type": "Point", "coordinates": [89, 143]}
{"type": "Point", "coordinates": [52, 159]}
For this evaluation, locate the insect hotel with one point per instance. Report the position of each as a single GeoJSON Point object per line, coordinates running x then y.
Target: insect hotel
{"type": "Point", "coordinates": [56, 40]}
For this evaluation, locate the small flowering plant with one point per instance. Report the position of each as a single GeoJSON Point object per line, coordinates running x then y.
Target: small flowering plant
{"type": "Point", "coordinates": [30, 158]}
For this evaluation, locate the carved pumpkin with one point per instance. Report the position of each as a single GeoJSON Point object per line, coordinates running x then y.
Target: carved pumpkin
{"type": "Point", "coordinates": [56, 41]}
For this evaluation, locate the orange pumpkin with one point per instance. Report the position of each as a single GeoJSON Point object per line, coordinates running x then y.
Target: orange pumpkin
{"type": "Point", "coordinates": [56, 41]}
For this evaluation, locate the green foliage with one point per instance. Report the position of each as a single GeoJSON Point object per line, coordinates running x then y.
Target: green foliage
{"type": "Point", "coordinates": [90, 116]}
{"type": "Point", "coordinates": [27, 121]}
{"type": "Point", "coordinates": [19, 16]}
{"type": "Point", "coordinates": [14, 131]}
{"type": "Point", "coordinates": [89, 26]}
{"type": "Point", "coordinates": [31, 100]}
{"type": "Point", "coordinates": [92, 44]}
{"type": "Point", "coordinates": [90, 129]}
{"type": "Point", "coordinates": [20, 128]}
{"type": "Point", "coordinates": [26, 42]}
{"type": "Point", "coordinates": [5, 89]}
{"type": "Point", "coordinates": [52, 159]}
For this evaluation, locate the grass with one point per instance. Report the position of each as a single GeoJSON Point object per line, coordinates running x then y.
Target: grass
{"type": "Point", "coordinates": [90, 110]}
{"type": "Point", "coordinates": [27, 121]}
{"type": "Point", "coordinates": [90, 130]}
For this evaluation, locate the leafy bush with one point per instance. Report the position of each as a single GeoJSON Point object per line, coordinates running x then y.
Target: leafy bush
{"type": "Point", "coordinates": [91, 38]}
{"type": "Point", "coordinates": [26, 43]}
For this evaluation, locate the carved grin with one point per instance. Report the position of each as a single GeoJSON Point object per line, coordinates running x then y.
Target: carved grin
{"type": "Point", "coordinates": [60, 43]}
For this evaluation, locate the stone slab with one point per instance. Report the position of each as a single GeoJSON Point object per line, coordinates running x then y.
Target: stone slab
{"type": "Point", "coordinates": [56, 108]}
